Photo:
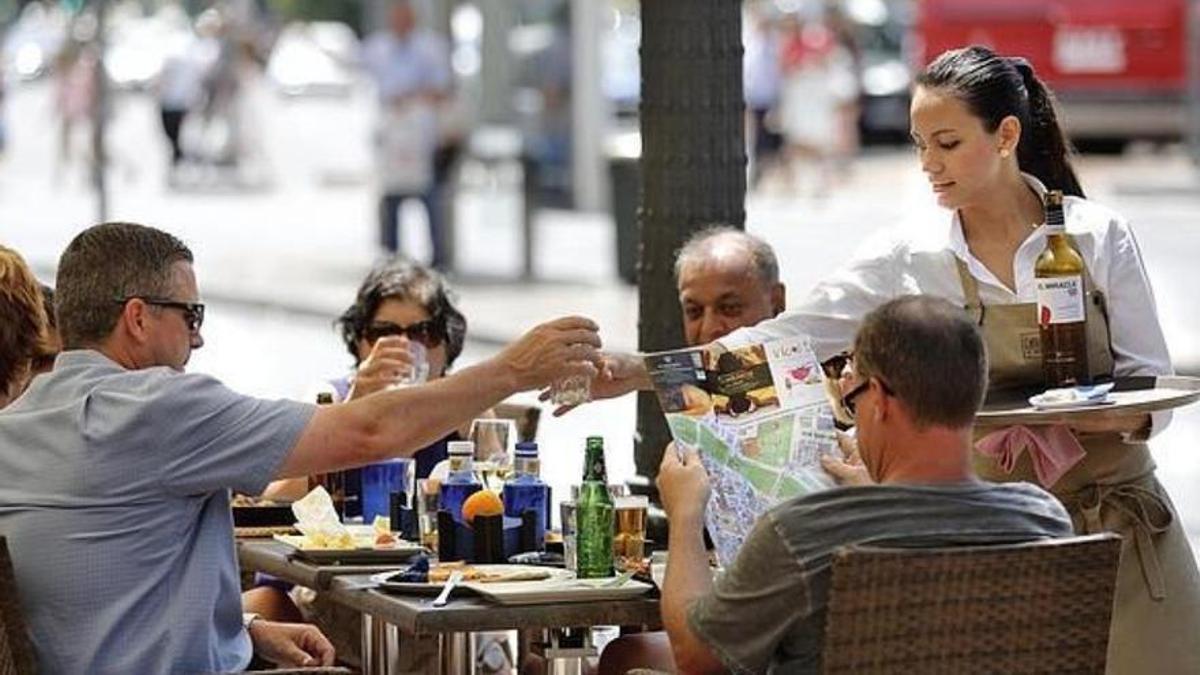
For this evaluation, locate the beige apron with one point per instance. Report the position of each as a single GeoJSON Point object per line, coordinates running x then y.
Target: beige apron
{"type": "Point", "coordinates": [1156, 611]}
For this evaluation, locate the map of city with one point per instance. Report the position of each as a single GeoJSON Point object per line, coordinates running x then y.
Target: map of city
{"type": "Point", "coordinates": [759, 418]}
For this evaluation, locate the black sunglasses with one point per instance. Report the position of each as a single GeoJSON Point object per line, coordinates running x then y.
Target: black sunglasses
{"type": "Point", "coordinates": [193, 312]}
{"type": "Point", "coordinates": [429, 332]}
{"type": "Point", "coordinates": [850, 396]}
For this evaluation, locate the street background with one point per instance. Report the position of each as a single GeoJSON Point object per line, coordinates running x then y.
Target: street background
{"type": "Point", "coordinates": [280, 257]}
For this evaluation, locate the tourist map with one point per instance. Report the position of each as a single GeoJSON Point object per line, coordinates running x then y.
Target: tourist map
{"type": "Point", "coordinates": [760, 419]}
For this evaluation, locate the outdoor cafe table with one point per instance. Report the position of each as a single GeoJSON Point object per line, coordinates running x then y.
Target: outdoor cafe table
{"type": "Point", "coordinates": [430, 640]}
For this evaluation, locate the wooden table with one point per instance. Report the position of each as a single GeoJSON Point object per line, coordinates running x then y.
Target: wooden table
{"type": "Point", "coordinates": [430, 639]}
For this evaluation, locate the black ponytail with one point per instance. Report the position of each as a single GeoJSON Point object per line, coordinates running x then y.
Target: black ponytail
{"type": "Point", "coordinates": [994, 87]}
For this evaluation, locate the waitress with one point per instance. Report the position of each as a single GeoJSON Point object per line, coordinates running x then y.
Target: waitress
{"type": "Point", "coordinates": [990, 145]}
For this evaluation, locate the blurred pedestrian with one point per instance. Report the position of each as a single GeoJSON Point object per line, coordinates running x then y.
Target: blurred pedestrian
{"type": "Point", "coordinates": [75, 100]}
{"type": "Point", "coordinates": [180, 91]}
{"type": "Point", "coordinates": [410, 66]}
{"type": "Point", "coordinates": [817, 78]}
{"type": "Point", "coordinates": [762, 77]}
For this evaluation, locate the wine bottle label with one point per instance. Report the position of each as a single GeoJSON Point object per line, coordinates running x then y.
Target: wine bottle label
{"type": "Point", "coordinates": [1060, 300]}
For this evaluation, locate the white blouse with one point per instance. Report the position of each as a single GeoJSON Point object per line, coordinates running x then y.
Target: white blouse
{"type": "Point", "coordinates": [918, 256]}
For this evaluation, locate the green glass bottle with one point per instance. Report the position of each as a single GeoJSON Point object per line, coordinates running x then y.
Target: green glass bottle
{"type": "Point", "coordinates": [594, 516]}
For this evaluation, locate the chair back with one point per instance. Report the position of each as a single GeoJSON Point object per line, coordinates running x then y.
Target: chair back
{"type": "Point", "coordinates": [16, 649]}
{"type": "Point", "coordinates": [1036, 607]}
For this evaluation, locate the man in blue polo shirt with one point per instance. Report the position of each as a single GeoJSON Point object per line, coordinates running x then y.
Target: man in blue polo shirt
{"type": "Point", "coordinates": [116, 467]}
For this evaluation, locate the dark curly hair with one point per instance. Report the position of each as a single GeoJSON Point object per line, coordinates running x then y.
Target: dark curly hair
{"type": "Point", "coordinates": [402, 279]}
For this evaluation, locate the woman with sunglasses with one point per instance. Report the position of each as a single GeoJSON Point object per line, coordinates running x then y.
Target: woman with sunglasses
{"type": "Point", "coordinates": [989, 143]}
{"type": "Point", "coordinates": [399, 302]}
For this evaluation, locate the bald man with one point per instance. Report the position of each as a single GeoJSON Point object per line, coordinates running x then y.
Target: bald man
{"type": "Point", "coordinates": [726, 279]}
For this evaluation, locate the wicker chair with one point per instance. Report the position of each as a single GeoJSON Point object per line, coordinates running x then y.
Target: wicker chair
{"type": "Point", "coordinates": [16, 649]}
{"type": "Point", "coordinates": [1037, 607]}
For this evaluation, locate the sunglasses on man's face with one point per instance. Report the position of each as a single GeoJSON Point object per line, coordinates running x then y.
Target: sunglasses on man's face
{"type": "Point", "coordinates": [193, 312]}
{"type": "Point", "coordinates": [428, 332]}
{"type": "Point", "coordinates": [849, 398]}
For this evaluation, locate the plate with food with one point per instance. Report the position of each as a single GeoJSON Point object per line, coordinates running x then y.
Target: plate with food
{"type": "Point", "coordinates": [563, 589]}
{"type": "Point", "coordinates": [424, 577]}
{"type": "Point", "coordinates": [356, 544]}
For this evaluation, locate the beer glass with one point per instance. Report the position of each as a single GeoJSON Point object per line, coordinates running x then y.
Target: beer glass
{"type": "Point", "coordinates": [629, 539]}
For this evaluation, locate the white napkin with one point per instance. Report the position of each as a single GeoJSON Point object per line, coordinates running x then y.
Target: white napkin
{"type": "Point", "coordinates": [318, 521]}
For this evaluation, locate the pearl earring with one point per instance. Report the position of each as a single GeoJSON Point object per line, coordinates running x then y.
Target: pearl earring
{"type": "Point", "coordinates": [1004, 152]}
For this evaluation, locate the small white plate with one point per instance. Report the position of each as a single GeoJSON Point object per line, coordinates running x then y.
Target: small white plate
{"type": "Point", "coordinates": [1084, 397]}
{"type": "Point", "coordinates": [1037, 402]}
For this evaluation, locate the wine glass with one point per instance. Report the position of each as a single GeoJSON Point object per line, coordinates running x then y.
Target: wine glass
{"type": "Point", "coordinates": [494, 442]}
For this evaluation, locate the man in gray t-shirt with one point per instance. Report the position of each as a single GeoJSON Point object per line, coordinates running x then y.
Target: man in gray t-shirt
{"type": "Point", "coordinates": [116, 467]}
{"type": "Point", "coordinates": [919, 374]}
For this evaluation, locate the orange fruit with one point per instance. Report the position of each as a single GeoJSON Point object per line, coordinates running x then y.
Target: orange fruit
{"type": "Point", "coordinates": [482, 503]}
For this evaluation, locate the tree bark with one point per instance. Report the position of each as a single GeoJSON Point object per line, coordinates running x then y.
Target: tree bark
{"type": "Point", "coordinates": [693, 165]}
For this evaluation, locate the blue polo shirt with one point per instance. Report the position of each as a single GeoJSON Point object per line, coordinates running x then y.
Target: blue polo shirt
{"type": "Point", "coordinates": [114, 496]}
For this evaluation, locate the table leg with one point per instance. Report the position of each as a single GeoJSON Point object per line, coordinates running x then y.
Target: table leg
{"type": "Point", "coordinates": [415, 655]}
{"type": "Point", "coordinates": [458, 654]}
{"type": "Point", "coordinates": [566, 649]}
{"type": "Point", "coordinates": [374, 646]}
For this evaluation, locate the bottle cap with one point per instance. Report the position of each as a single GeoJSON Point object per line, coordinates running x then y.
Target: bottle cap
{"type": "Point", "coordinates": [460, 448]}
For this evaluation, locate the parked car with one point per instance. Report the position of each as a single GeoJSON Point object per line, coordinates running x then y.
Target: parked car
{"type": "Point", "coordinates": [1119, 69]}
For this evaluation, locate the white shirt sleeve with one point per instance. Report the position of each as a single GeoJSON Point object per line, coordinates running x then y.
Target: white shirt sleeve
{"type": "Point", "coordinates": [832, 311]}
{"type": "Point", "coordinates": [1138, 344]}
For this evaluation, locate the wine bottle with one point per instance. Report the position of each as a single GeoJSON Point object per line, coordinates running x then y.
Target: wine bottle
{"type": "Point", "coordinates": [1062, 319]}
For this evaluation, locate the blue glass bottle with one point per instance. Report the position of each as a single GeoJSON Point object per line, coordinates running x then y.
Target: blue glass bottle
{"type": "Point", "coordinates": [461, 483]}
{"type": "Point", "coordinates": [525, 490]}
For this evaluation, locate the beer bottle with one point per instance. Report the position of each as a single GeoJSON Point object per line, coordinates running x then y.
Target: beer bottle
{"type": "Point", "coordinates": [333, 481]}
{"type": "Point", "coordinates": [1060, 302]}
{"type": "Point", "coordinates": [594, 516]}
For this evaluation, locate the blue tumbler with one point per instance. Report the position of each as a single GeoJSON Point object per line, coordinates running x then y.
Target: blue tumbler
{"type": "Point", "coordinates": [379, 480]}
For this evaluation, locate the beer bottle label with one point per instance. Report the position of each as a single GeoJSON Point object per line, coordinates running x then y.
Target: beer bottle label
{"type": "Point", "coordinates": [1060, 300]}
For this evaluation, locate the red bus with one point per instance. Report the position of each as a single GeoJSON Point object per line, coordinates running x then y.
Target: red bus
{"type": "Point", "coordinates": [1118, 67]}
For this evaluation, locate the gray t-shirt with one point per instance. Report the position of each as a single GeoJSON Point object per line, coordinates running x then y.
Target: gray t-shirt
{"type": "Point", "coordinates": [767, 611]}
{"type": "Point", "coordinates": [114, 496]}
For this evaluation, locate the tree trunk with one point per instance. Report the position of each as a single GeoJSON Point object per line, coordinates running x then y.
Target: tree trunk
{"type": "Point", "coordinates": [693, 165]}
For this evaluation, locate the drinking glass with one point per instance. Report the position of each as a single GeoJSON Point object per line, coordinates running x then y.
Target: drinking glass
{"type": "Point", "coordinates": [568, 534]}
{"type": "Point", "coordinates": [629, 538]}
{"type": "Point", "coordinates": [494, 442]}
{"type": "Point", "coordinates": [419, 372]}
{"type": "Point", "coordinates": [571, 390]}
{"type": "Point", "coordinates": [381, 479]}
{"type": "Point", "coordinates": [427, 493]}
